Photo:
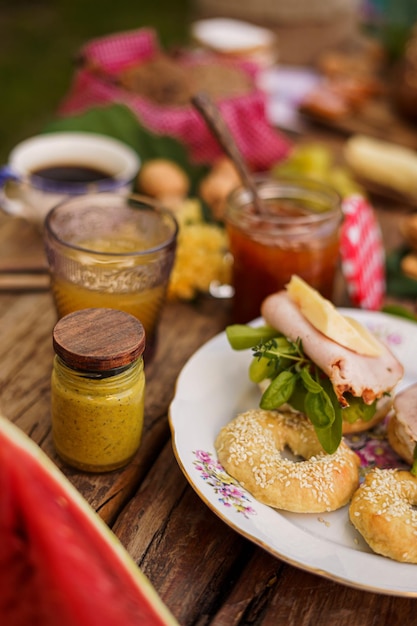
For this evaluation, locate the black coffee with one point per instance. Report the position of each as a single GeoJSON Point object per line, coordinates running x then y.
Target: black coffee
{"type": "Point", "coordinates": [71, 174]}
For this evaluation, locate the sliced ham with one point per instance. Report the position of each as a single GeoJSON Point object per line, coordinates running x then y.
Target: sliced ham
{"type": "Point", "coordinates": [362, 376]}
{"type": "Point", "coordinates": [402, 428]}
{"type": "Point", "coordinates": [405, 405]}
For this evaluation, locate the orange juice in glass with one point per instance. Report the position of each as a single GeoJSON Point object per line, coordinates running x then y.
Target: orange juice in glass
{"type": "Point", "coordinates": [108, 251]}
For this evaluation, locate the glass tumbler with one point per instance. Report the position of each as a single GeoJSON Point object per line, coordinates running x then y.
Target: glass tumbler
{"type": "Point", "coordinates": [109, 251]}
{"type": "Point", "coordinates": [298, 232]}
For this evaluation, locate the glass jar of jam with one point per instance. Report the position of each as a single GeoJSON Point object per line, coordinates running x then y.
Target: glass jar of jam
{"type": "Point", "coordinates": [98, 388]}
{"type": "Point", "coordinates": [298, 232]}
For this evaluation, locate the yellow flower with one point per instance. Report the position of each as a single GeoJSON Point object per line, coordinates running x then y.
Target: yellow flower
{"type": "Point", "coordinates": [201, 255]}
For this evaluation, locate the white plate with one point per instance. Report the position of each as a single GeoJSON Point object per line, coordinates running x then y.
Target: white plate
{"type": "Point", "coordinates": [211, 389]}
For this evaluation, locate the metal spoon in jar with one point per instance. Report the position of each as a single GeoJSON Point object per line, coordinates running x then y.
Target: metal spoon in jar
{"type": "Point", "coordinates": [214, 120]}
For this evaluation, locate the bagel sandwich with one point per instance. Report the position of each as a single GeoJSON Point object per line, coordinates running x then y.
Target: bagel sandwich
{"type": "Point", "coordinates": [310, 357]}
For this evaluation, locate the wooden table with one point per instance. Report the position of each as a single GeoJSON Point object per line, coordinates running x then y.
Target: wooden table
{"type": "Point", "coordinates": [204, 571]}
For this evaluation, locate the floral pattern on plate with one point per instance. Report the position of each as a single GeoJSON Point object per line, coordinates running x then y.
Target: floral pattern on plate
{"type": "Point", "coordinates": [229, 491]}
{"type": "Point", "coordinates": [373, 449]}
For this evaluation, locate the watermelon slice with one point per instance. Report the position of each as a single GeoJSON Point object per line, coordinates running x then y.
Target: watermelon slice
{"type": "Point", "coordinates": [59, 562]}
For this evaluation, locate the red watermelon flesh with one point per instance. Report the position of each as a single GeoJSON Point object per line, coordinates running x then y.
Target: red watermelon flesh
{"type": "Point", "coordinates": [59, 563]}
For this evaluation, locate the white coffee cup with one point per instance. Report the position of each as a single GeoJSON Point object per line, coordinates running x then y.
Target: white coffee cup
{"type": "Point", "coordinates": [26, 192]}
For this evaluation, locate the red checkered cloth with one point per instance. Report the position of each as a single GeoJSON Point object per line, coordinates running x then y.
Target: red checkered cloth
{"type": "Point", "coordinates": [362, 252]}
{"type": "Point", "coordinates": [259, 142]}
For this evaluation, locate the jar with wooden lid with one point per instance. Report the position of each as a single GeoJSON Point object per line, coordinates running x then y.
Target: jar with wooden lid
{"type": "Point", "coordinates": [98, 388]}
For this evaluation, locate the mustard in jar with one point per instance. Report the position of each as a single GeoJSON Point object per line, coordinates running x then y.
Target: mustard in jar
{"type": "Point", "coordinates": [98, 388]}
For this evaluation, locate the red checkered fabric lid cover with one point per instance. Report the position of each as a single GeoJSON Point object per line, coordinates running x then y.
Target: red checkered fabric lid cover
{"type": "Point", "coordinates": [362, 253]}
{"type": "Point", "coordinates": [260, 143]}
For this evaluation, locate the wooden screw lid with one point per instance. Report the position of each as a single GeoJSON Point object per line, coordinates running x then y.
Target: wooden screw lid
{"type": "Point", "coordinates": [98, 340]}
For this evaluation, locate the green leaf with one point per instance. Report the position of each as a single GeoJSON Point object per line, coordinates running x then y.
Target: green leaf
{"type": "Point", "coordinates": [280, 347]}
{"type": "Point", "coordinates": [279, 391]}
{"type": "Point", "coordinates": [309, 383]}
{"type": "Point", "coordinates": [243, 336]}
{"type": "Point", "coordinates": [330, 437]}
{"type": "Point", "coordinates": [399, 311]}
{"type": "Point", "coordinates": [319, 409]}
{"type": "Point", "coordinates": [414, 466]}
{"type": "Point", "coordinates": [357, 409]}
{"type": "Point", "coordinates": [298, 396]}
{"type": "Point", "coordinates": [261, 368]}
{"type": "Point", "coordinates": [398, 284]}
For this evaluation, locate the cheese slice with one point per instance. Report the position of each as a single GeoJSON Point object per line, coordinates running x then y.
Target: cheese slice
{"type": "Point", "coordinates": [324, 316]}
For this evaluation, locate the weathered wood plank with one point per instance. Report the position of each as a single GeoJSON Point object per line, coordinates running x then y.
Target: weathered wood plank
{"type": "Point", "coordinates": [206, 573]}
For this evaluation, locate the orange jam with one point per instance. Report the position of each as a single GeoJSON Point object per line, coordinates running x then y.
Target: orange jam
{"type": "Point", "coordinates": [298, 233]}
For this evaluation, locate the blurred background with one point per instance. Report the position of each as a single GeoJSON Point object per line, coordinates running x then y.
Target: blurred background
{"type": "Point", "coordinates": [321, 54]}
{"type": "Point", "coordinates": [39, 40]}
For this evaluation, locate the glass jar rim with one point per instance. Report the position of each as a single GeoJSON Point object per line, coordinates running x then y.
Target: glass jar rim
{"type": "Point", "coordinates": [285, 188]}
{"type": "Point", "coordinates": [132, 201]}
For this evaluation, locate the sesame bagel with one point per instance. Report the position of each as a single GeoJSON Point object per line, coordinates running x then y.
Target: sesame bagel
{"type": "Point", "coordinates": [251, 449]}
{"type": "Point", "coordinates": [382, 511]}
